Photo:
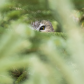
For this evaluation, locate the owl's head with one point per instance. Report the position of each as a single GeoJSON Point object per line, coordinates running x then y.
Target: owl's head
{"type": "Point", "coordinates": [43, 26]}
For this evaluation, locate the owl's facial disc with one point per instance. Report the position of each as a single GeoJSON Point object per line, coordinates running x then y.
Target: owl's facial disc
{"type": "Point", "coordinates": [43, 26]}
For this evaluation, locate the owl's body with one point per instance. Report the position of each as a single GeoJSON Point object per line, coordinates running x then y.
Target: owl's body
{"type": "Point", "coordinates": [43, 26]}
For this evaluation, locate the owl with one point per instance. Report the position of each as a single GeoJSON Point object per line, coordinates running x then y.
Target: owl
{"type": "Point", "coordinates": [43, 26]}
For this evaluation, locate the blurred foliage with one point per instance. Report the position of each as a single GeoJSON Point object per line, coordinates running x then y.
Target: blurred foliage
{"type": "Point", "coordinates": [31, 57]}
{"type": "Point", "coordinates": [79, 4]}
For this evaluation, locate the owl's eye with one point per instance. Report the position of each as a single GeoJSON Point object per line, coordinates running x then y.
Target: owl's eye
{"type": "Point", "coordinates": [42, 27]}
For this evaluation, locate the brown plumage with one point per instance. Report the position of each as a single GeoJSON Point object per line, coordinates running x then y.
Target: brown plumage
{"type": "Point", "coordinates": [43, 26]}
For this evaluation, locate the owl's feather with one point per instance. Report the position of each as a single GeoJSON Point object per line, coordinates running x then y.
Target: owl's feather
{"type": "Point", "coordinates": [44, 23]}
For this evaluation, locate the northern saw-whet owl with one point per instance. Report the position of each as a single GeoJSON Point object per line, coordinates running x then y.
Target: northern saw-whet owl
{"type": "Point", "coordinates": [43, 26]}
